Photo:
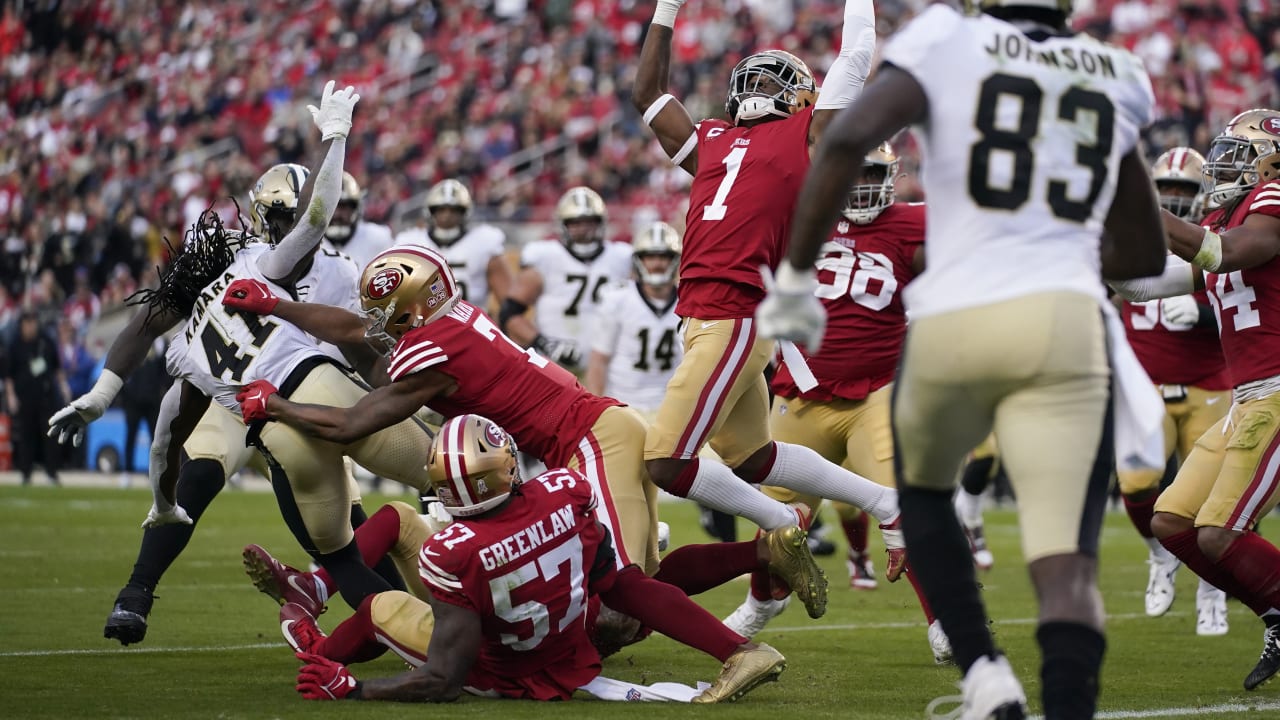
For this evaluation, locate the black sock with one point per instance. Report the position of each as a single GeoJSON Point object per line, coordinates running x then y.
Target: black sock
{"type": "Point", "coordinates": [977, 474]}
{"type": "Point", "coordinates": [354, 579]}
{"type": "Point", "coordinates": [199, 483]}
{"type": "Point", "coordinates": [944, 567]}
{"type": "Point", "coordinates": [386, 567]}
{"type": "Point", "coordinates": [1069, 673]}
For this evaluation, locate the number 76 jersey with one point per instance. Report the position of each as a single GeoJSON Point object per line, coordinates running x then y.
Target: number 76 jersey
{"type": "Point", "coordinates": [1021, 147]}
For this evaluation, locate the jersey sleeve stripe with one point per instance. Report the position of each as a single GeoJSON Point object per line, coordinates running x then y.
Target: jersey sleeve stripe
{"type": "Point", "coordinates": [1264, 203]}
{"type": "Point", "coordinates": [416, 360]}
{"type": "Point", "coordinates": [444, 585]}
{"type": "Point", "coordinates": [1271, 191]}
{"type": "Point", "coordinates": [438, 576]}
{"type": "Point", "coordinates": [408, 354]}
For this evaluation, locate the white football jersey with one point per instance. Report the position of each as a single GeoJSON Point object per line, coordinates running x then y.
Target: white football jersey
{"type": "Point", "coordinates": [643, 341]}
{"type": "Point", "coordinates": [334, 280]}
{"type": "Point", "coordinates": [468, 257]}
{"type": "Point", "coordinates": [1020, 152]}
{"type": "Point", "coordinates": [218, 350]}
{"type": "Point", "coordinates": [368, 240]}
{"type": "Point", "coordinates": [571, 288]}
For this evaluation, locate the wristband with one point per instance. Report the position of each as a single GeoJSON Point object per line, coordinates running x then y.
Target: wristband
{"type": "Point", "coordinates": [1209, 256]}
{"type": "Point", "coordinates": [790, 280]}
{"type": "Point", "coordinates": [665, 13]}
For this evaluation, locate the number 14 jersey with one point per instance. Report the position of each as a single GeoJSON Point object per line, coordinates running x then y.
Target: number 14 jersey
{"type": "Point", "coordinates": [1021, 147]}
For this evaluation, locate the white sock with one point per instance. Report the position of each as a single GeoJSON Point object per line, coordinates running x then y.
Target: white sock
{"type": "Point", "coordinates": [1206, 591]}
{"type": "Point", "coordinates": [1158, 551]}
{"type": "Point", "coordinates": [798, 468]}
{"type": "Point", "coordinates": [718, 488]}
{"type": "Point", "coordinates": [321, 588]}
{"type": "Point", "coordinates": [969, 508]}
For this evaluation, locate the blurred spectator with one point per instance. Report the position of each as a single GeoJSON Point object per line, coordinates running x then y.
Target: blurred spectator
{"type": "Point", "coordinates": [34, 389]}
{"type": "Point", "coordinates": [140, 399]}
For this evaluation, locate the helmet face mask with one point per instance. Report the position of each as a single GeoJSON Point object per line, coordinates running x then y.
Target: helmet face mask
{"type": "Point", "coordinates": [657, 240]}
{"type": "Point", "coordinates": [348, 213]}
{"type": "Point", "coordinates": [1178, 174]}
{"type": "Point", "coordinates": [473, 466]}
{"type": "Point", "coordinates": [583, 219]}
{"type": "Point", "coordinates": [404, 288]}
{"type": "Point", "coordinates": [874, 192]}
{"type": "Point", "coordinates": [450, 201]}
{"type": "Point", "coordinates": [1247, 151]}
{"type": "Point", "coordinates": [273, 202]}
{"type": "Point", "coordinates": [770, 83]}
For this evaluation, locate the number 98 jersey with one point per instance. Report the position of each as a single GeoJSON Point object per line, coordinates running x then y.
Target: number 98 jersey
{"type": "Point", "coordinates": [1020, 148]}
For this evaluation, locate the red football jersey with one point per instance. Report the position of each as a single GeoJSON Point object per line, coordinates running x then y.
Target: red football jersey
{"type": "Point", "coordinates": [740, 207]}
{"type": "Point", "coordinates": [539, 403]}
{"type": "Point", "coordinates": [1175, 354]}
{"type": "Point", "coordinates": [1247, 302]}
{"type": "Point", "coordinates": [524, 570]}
{"type": "Point", "coordinates": [861, 272]}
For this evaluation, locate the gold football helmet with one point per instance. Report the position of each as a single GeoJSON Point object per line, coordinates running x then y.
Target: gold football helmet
{"type": "Point", "coordinates": [657, 238]}
{"type": "Point", "coordinates": [870, 197]}
{"type": "Point", "coordinates": [273, 202]}
{"type": "Point", "coordinates": [403, 288]}
{"type": "Point", "coordinates": [348, 213]}
{"type": "Point", "coordinates": [1248, 149]}
{"type": "Point", "coordinates": [473, 465]}
{"type": "Point", "coordinates": [973, 7]}
{"type": "Point", "coordinates": [1178, 174]}
{"type": "Point", "coordinates": [448, 194]}
{"type": "Point", "coordinates": [748, 100]}
{"type": "Point", "coordinates": [575, 211]}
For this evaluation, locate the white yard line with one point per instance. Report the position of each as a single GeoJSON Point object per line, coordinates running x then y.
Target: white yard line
{"type": "Point", "coordinates": [1233, 707]}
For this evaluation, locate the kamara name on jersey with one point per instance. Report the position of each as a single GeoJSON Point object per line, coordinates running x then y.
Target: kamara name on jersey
{"type": "Point", "coordinates": [211, 293]}
{"type": "Point", "coordinates": [1014, 46]}
{"type": "Point", "coordinates": [515, 546]}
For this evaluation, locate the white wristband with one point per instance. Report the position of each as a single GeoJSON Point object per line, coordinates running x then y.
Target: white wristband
{"type": "Point", "coordinates": [107, 387]}
{"type": "Point", "coordinates": [665, 13]}
{"type": "Point", "coordinates": [1210, 255]}
{"type": "Point", "coordinates": [792, 281]}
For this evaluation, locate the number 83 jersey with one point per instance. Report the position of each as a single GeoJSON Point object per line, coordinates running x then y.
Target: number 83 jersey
{"type": "Point", "coordinates": [1021, 146]}
{"type": "Point", "coordinates": [219, 350]}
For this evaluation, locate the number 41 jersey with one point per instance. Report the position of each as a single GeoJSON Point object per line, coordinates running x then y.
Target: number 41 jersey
{"type": "Point", "coordinates": [1021, 147]}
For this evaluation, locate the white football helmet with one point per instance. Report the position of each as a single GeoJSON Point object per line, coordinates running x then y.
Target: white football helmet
{"type": "Point", "coordinates": [868, 199]}
{"type": "Point", "coordinates": [747, 100]}
{"type": "Point", "coordinates": [273, 201]}
{"type": "Point", "coordinates": [582, 203]}
{"type": "Point", "coordinates": [449, 193]}
{"type": "Point", "coordinates": [657, 238]}
{"type": "Point", "coordinates": [348, 213]}
{"type": "Point", "coordinates": [1178, 174]}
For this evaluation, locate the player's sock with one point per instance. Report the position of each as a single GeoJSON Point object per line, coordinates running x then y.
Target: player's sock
{"type": "Point", "coordinates": [713, 484]}
{"type": "Point", "coordinates": [667, 610]}
{"type": "Point", "coordinates": [944, 567]}
{"type": "Point", "coordinates": [199, 483]}
{"type": "Point", "coordinates": [355, 580]}
{"type": "Point", "coordinates": [376, 536]}
{"type": "Point", "coordinates": [1140, 513]}
{"type": "Point", "coordinates": [698, 568]}
{"type": "Point", "coordinates": [977, 475]}
{"type": "Point", "coordinates": [354, 640]}
{"type": "Point", "coordinates": [969, 508]}
{"type": "Point", "coordinates": [798, 468]}
{"type": "Point", "coordinates": [1185, 546]}
{"type": "Point", "coordinates": [929, 617]}
{"type": "Point", "coordinates": [855, 531]}
{"type": "Point", "coordinates": [1254, 563]}
{"type": "Point", "coordinates": [1072, 658]}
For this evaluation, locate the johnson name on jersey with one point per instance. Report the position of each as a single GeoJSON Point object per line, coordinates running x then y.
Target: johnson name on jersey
{"type": "Point", "coordinates": [1021, 148]}
{"type": "Point", "coordinates": [468, 257]}
{"type": "Point", "coordinates": [642, 340]}
{"type": "Point", "coordinates": [571, 288]}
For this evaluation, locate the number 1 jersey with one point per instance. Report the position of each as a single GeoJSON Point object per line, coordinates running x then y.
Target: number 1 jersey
{"type": "Point", "coordinates": [1021, 147]}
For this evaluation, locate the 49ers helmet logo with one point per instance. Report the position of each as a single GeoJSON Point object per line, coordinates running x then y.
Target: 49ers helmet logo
{"type": "Point", "coordinates": [494, 435]}
{"type": "Point", "coordinates": [384, 283]}
{"type": "Point", "coordinates": [1271, 125]}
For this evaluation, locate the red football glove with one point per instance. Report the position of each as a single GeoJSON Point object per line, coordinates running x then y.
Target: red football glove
{"type": "Point", "coordinates": [253, 400]}
{"type": "Point", "coordinates": [250, 296]}
{"type": "Point", "coordinates": [324, 679]}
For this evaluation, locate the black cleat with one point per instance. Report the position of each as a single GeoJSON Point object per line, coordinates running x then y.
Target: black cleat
{"type": "Point", "coordinates": [1268, 662]}
{"type": "Point", "coordinates": [128, 619]}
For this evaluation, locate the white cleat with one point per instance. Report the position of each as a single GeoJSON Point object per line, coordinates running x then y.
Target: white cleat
{"type": "Point", "coordinates": [664, 536]}
{"type": "Point", "coordinates": [1211, 610]}
{"type": "Point", "coordinates": [752, 615]}
{"type": "Point", "coordinates": [1160, 589]}
{"type": "Point", "coordinates": [940, 645]}
{"type": "Point", "coordinates": [989, 689]}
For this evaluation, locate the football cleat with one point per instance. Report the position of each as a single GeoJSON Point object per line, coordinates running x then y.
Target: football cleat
{"type": "Point", "coordinates": [664, 536]}
{"type": "Point", "coordinates": [940, 645]}
{"type": "Point", "coordinates": [1160, 588]}
{"type": "Point", "coordinates": [989, 690]}
{"type": "Point", "coordinates": [791, 560]}
{"type": "Point", "coordinates": [896, 547]}
{"type": "Point", "coordinates": [299, 628]}
{"type": "Point", "coordinates": [982, 556]}
{"type": "Point", "coordinates": [128, 619]}
{"type": "Point", "coordinates": [752, 615]}
{"type": "Point", "coordinates": [1211, 611]}
{"type": "Point", "coordinates": [1268, 661]}
{"type": "Point", "coordinates": [862, 574]}
{"type": "Point", "coordinates": [744, 671]}
{"type": "Point", "coordinates": [283, 583]}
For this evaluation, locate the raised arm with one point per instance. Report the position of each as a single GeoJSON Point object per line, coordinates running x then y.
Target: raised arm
{"type": "Point", "coordinates": [847, 75]}
{"type": "Point", "coordinates": [455, 645]}
{"type": "Point", "coordinates": [1248, 245]}
{"type": "Point", "coordinates": [1133, 245]}
{"type": "Point", "coordinates": [663, 113]}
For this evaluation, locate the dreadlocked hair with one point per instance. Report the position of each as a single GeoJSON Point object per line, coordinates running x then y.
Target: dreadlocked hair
{"type": "Point", "coordinates": [208, 249]}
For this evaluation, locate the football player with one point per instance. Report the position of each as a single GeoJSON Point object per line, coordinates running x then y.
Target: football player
{"type": "Point", "coordinates": [634, 348]}
{"type": "Point", "coordinates": [562, 279]}
{"type": "Point", "coordinates": [473, 636]}
{"type": "Point", "coordinates": [448, 355]}
{"type": "Point", "coordinates": [1176, 340]}
{"type": "Point", "coordinates": [477, 253]}
{"type": "Point", "coordinates": [1030, 134]}
{"type": "Point", "coordinates": [349, 232]}
{"type": "Point", "coordinates": [1229, 481]}
{"type": "Point", "coordinates": [746, 176]}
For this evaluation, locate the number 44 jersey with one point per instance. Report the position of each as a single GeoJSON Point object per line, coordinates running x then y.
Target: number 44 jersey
{"type": "Point", "coordinates": [1021, 147]}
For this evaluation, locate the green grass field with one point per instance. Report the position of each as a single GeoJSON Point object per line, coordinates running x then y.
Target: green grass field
{"type": "Point", "coordinates": [213, 649]}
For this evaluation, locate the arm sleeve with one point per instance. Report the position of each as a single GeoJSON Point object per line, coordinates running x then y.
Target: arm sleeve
{"type": "Point", "coordinates": [307, 233]}
{"type": "Point", "coordinates": [844, 81]}
{"type": "Point", "coordinates": [163, 436]}
{"type": "Point", "coordinates": [1178, 278]}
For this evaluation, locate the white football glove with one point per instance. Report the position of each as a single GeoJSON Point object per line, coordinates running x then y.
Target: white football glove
{"type": "Point", "coordinates": [790, 310]}
{"type": "Point", "coordinates": [436, 518]}
{"type": "Point", "coordinates": [333, 117]}
{"type": "Point", "coordinates": [69, 423]}
{"type": "Point", "coordinates": [172, 515]}
{"type": "Point", "coordinates": [1180, 310]}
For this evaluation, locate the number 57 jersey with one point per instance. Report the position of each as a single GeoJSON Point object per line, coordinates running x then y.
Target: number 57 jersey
{"type": "Point", "coordinates": [1021, 147]}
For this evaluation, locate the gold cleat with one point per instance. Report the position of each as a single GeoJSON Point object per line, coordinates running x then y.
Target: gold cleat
{"type": "Point", "coordinates": [743, 672]}
{"type": "Point", "coordinates": [791, 561]}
